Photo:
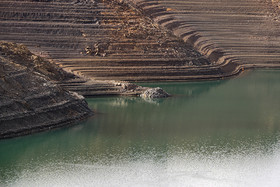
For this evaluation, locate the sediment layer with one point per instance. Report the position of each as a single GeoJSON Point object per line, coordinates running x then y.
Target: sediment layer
{"type": "Point", "coordinates": [245, 32]}
{"type": "Point", "coordinates": [144, 40]}
{"type": "Point", "coordinates": [108, 40]}
{"type": "Point", "coordinates": [29, 100]}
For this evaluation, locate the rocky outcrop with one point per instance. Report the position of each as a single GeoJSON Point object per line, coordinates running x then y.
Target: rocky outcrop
{"type": "Point", "coordinates": [90, 87]}
{"type": "Point", "coordinates": [153, 93]}
{"type": "Point", "coordinates": [30, 101]}
{"type": "Point", "coordinates": [20, 54]}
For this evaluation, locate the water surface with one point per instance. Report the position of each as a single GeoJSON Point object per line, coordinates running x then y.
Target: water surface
{"type": "Point", "coordinates": [216, 133]}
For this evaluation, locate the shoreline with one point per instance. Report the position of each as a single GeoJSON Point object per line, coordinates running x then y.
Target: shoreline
{"type": "Point", "coordinates": [104, 48]}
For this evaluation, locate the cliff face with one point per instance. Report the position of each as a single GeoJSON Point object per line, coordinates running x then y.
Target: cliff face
{"type": "Point", "coordinates": [29, 100]}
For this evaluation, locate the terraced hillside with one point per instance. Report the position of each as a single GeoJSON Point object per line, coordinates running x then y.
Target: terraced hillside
{"type": "Point", "coordinates": [244, 31]}
{"type": "Point", "coordinates": [107, 40]}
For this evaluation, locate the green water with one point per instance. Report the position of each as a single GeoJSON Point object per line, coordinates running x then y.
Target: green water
{"type": "Point", "coordinates": [218, 133]}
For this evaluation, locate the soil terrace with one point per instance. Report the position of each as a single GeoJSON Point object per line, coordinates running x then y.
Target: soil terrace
{"type": "Point", "coordinates": [244, 31]}
{"type": "Point", "coordinates": [107, 40]}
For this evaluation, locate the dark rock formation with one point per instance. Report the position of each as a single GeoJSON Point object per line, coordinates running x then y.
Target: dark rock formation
{"type": "Point", "coordinates": [152, 93]}
{"type": "Point", "coordinates": [29, 100]}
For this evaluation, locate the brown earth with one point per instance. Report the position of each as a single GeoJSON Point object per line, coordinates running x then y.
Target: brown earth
{"type": "Point", "coordinates": [246, 32]}
{"type": "Point", "coordinates": [108, 40]}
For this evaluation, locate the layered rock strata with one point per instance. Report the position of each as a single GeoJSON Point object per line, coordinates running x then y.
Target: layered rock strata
{"type": "Point", "coordinates": [240, 32]}
{"type": "Point", "coordinates": [29, 100]}
{"type": "Point", "coordinates": [106, 40]}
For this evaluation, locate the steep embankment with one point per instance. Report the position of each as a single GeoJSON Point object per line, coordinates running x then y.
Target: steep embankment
{"type": "Point", "coordinates": [107, 40]}
{"type": "Point", "coordinates": [29, 100]}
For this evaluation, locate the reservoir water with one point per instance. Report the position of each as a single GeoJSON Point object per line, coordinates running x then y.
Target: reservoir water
{"type": "Point", "coordinates": [216, 133]}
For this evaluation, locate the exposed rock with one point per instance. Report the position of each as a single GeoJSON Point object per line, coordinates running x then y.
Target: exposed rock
{"type": "Point", "coordinates": [129, 86]}
{"type": "Point", "coordinates": [20, 55]}
{"type": "Point", "coordinates": [29, 99]}
{"type": "Point", "coordinates": [154, 93]}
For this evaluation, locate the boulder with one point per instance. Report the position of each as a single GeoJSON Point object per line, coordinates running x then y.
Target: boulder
{"type": "Point", "coordinates": [154, 93]}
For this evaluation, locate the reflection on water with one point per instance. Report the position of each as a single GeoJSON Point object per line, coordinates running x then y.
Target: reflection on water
{"type": "Point", "coordinates": [220, 133]}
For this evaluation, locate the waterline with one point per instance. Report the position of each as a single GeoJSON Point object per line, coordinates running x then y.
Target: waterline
{"type": "Point", "coordinates": [219, 133]}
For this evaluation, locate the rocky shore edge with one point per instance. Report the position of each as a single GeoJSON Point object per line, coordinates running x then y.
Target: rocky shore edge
{"type": "Point", "coordinates": [37, 95]}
